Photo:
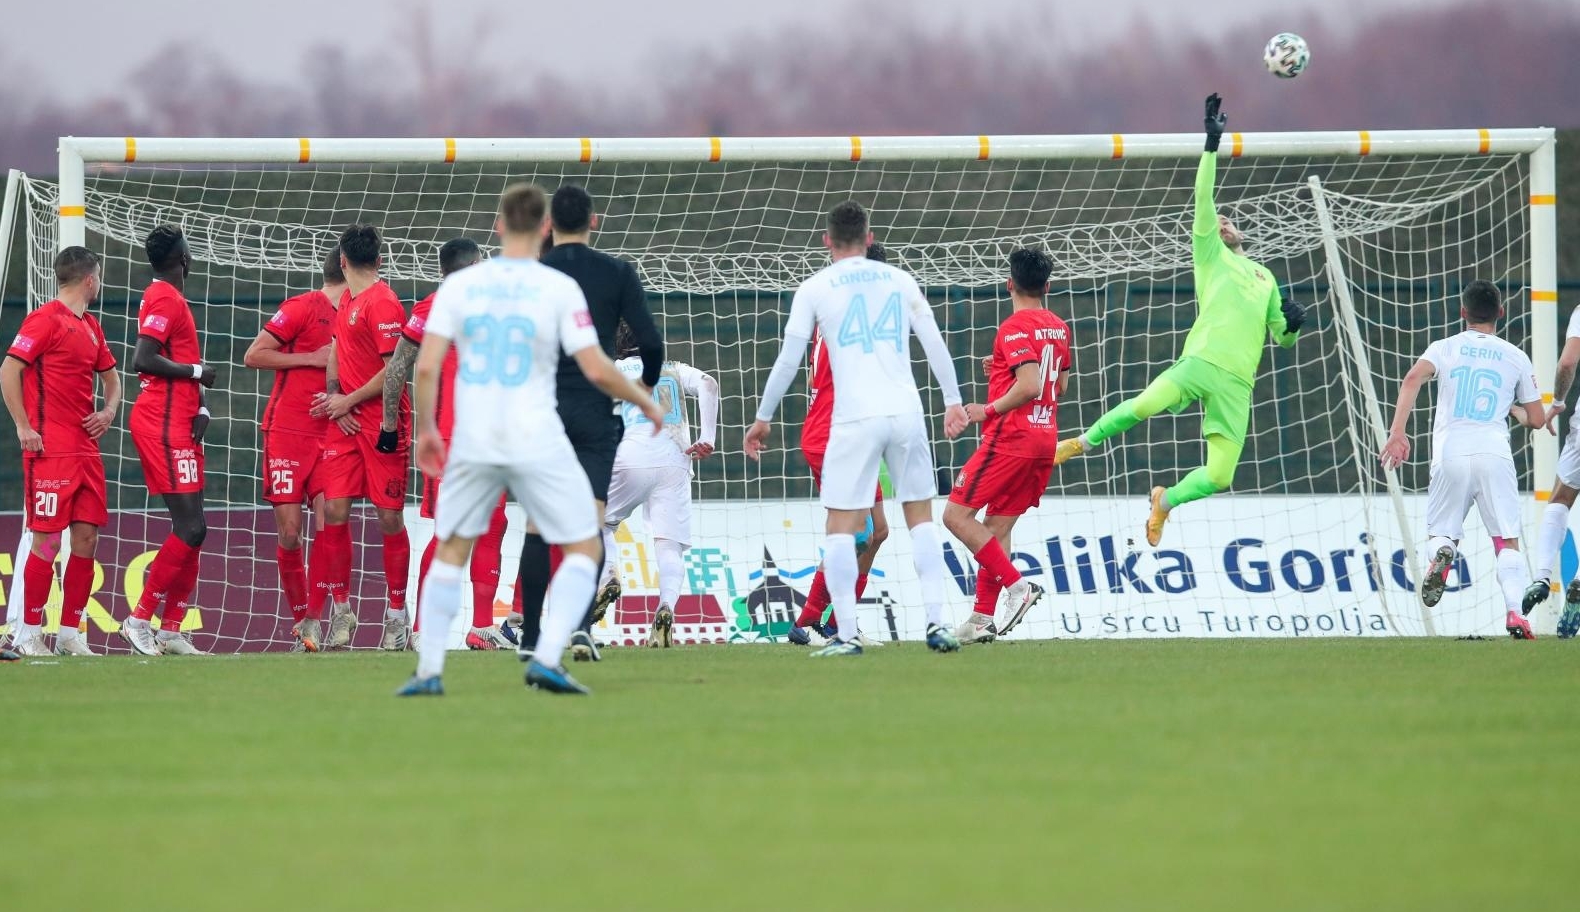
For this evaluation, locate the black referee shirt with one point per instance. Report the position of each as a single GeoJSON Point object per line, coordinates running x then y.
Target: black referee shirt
{"type": "Point", "coordinates": [613, 292]}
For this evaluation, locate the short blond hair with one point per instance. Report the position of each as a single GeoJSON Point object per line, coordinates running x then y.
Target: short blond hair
{"type": "Point", "coordinates": [522, 207]}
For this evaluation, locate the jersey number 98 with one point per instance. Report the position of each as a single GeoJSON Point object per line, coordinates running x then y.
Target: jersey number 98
{"type": "Point", "coordinates": [499, 349]}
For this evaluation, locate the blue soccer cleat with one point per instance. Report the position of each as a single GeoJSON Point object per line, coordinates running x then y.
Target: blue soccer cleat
{"type": "Point", "coordinates": [798, 636]}
{"type": "Point", "coordinates": [510, 628]}
{"type": "Point", "coordinates": [422, 687]}
{"type": "Point", "coordinates": [838, 648]}
{"type": "Point", "coordinates": [553, 680]}
{"type": "Point", "coordinates": [1569, 623]}
{"type": "Point", "coordinates": [940, 639]}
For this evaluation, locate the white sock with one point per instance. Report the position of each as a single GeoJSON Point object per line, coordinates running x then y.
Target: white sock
{"type": "Point", "coordinates": [839, 572]}
{"type": "Point", "coordinates": [570, 592]}
{"type": "Point", "coordinates": [1437, 542]}
{"type": "Point", "coordinates": [928, 553]}
{"type": "Point", "coordinates": [164, 635]}
{"type": "Point", "coordinates": [440, 603]}
{"type": "Point", "coordinates": [68, 634]}
{"type": "Point", "coordinates": [1512, 577]}
{"type": "Point", "coordinates": [1555, 522]}
{"type": "Point", "coordinates": [25, 631]}
{"type": "Point", "coordinates": [396, 612]}
{"type": "Point", "coordinates": [671, 566]}
{"type": "Point", "coordinates": [609, 550]}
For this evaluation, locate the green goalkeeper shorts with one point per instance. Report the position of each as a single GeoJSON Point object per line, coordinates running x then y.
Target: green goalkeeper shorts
{"type": "Point", "coordinates": [1225, 398]}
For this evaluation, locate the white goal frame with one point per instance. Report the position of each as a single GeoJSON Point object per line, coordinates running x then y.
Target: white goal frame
{"type": "Point", "coordinates": [76, 153]}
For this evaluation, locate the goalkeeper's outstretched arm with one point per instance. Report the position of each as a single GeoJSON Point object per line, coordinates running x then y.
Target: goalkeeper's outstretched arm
{"type": "Point", "coordinates": [1205, 239]}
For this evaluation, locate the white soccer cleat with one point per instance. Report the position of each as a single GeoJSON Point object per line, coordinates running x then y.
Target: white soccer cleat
{"type": "Point", "coordinates": [1018, 600]}
{"type": "Point", "coordinates": [867, 642]}
{"type": "Point", "coordinates": [486, 639]}
{"type": "Point", "coordinates": [177, 644]}
{"type": "Point", "coordinates": [978, 628]}
{"type": "Point", "coordinates": [140, 636]}
{"type": "Point", "coordinates": [342, 625]}
{"type": "Point", "coordinates": [70, 642]}
{"type": "Point", "coordinates": [32, 646]}
{"type": "Point", "coordinates": [397, 631]}
{"type": "Point", "coordinates": [309, 635]}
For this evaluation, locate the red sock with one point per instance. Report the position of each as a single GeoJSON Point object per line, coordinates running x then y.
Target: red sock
{"type": "Point", "coordinates": [816, 601]}
{"type": "Point", "coordinates": [425, 562]}
{"type": "Point", "coordinates": [180, 592]}
{"type": "Point", "coordinates": [988, 590]}
{"type": "Point", "coordinates": [332, 553]}
{"type": "Point", "coordinates": [485, 570]}
{"type": "Point", "coordinates": [397, 567]}
{"type": "Point", "coordinates": [38, 577]}
{"type": "Point", "coordinates": [995, 563]}
{"type": "Point", "coordinates": [76, 586]}
{"type": "Point", "coordinates": [861, 586]}
{"type": "Point", "coordinates": [556, 554]}
{"type": "Point", "coordinates": [163, 573]}
{"type": "Point", "coordinates": [293, 580]}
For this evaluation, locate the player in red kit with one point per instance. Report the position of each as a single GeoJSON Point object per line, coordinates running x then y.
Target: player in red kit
{"type": "Point", "coordinates": [47, 379]}
{"type": "Point", "coordinates": [367, 328]}
{"type": "Point", "coordinates": [455, 254]}
{"type": "Point", "coordinates": [167, 425]}
{"type": "Point", "coordinates": [295, 345]}
{"type": "Point", "coordinates": [809, 629]}
{"type": "Point", "coordinates": [1009, 472]}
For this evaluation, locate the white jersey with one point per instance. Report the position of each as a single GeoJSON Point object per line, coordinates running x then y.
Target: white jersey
{"type": "Point", "coordinates": [509, 320]}
{"type": "Point", "coordinates": [1574, 325]}
{"type": "Point", "coordinates": [1479, 378]}
{"type": "Point", "coordinates": [864, 311]}
{"type": "Point", "coordinates": [641, 448]}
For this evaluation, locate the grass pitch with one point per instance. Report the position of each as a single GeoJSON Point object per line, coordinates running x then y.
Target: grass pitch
{"type": "Point", "coordinates": [1065, 775]}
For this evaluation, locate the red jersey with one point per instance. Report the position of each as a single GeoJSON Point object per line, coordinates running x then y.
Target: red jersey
{"type": "Point", "coordinates": [303, 324]}
{"type": "Point", "coordinates": [444, 408]}
{"type": "Point", "coordinates": [62, 353]}
{"type": "Point", "coordinates": [161, 404]}
{"type": "Point", "coordinates": [366, 330]}
{"type": "Point", "coordinates": [820, 399]}
{"type": "Point", "coordinates": [1039, 337]}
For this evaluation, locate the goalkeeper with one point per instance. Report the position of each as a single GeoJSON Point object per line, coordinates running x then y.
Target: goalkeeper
{"type": "Point", "coordinates": [1237, 300]}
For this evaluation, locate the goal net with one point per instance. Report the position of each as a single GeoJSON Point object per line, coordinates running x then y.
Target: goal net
{"type": "Point", "coordinates": [1313, 540]}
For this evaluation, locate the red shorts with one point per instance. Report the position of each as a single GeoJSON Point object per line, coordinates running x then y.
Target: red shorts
{"type": "Point", "coordinates": [1007, 484]}
{"type": "Point", "coordinates": [814, 461]}
{"type": "Point", "coordinates": [170, 467]}
{"type": "Point", "coordinates": [289, 464]}
{"type": "Point", "coordinates": [62, 490]}
{"type": "Point", "coordinates": [353, 467]}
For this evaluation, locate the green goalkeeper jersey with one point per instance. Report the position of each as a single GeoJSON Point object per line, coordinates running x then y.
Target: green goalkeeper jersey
{"type": "Point", "coordinates": [1237, 299]}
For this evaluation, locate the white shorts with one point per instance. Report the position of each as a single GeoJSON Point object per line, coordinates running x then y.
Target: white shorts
{"type": "Point", "coordinates": [663, 492]}
{"type": "Point", "coordinates": [1486, 481]}
{"type": "Point", "coordinates": [553, 493]}
{"type": "Point", "coordinates": [1569, 456]}
{"type": "Point", "coordinates": [855, 450]}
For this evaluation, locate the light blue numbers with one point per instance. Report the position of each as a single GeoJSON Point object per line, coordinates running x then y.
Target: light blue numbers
{"type": "Point", "coordinates": [1476, 392]}
{"type": "Point", "coordinates": [666, 394]}
{"type": "Point", "coordinates": [860, 329]}
{"type": "Point", "coordinates": [498, 349]}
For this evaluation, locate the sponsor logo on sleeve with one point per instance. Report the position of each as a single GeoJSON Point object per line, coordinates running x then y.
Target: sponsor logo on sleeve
{"type": "Point", "coordinates": [156, 322]}
{"type": "Point", "coordinates": [278, 319]}
{"type": "Point", "coordinates": [583, 319]}
{"type": "Point", "coordinates": [1013, 337]}
{"type": "Point", "coordinates": [24, 344]}
{"type": "Point", "coordinates": [415, 324]}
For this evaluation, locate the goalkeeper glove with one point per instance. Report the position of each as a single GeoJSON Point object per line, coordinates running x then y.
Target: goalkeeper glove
{"type": "Point", "coordinates": [1215, 121]}
{"type": "Point", "coordinates": [389, 441]}
{"type": "Point", "coordinates": [1294, 316]}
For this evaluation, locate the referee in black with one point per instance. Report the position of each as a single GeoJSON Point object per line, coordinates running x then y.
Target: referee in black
{"type": "Point", "coordinates": [614, 293]}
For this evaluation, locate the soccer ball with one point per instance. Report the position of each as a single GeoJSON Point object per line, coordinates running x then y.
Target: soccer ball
{"type": "Point", "coordinates": [1286, 55]}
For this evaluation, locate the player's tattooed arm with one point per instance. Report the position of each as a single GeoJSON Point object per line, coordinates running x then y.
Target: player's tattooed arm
{"type": "Point", "coordinates": [146, 359]}
{"type": "Point", "coordinates": [1567, 362]}
{"type": "Point", "coordinates": [397, 371]}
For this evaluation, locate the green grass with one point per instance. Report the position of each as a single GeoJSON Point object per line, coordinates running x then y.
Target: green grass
{"type": "Point", "coordinates": [1263, 775]}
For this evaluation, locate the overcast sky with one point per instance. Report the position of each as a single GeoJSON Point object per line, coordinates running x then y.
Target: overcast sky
{"type": "Point", "coordinates": [612, 41]}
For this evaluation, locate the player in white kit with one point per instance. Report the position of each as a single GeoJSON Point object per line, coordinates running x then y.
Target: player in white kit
{"type": "Point", "coordinates": [866, 313]}
{"type": "Point", "coordinates": [1481, 381]}
{"type": "Point", "coordinates": [509, 318]}
{"type": "Point", "coordinates": [653, 471]}
{"type": "Point", "coordinates": [1555, 518]}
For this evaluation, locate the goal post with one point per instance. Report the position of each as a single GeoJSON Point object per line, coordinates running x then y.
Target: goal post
{"type": "Point", "coordinates": [722, 229]}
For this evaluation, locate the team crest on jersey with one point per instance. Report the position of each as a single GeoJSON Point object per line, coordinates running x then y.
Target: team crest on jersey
{"type": "Point", "coordinates": [156, 322]}
{"type": "Point", "coordinates": [352, 320]}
